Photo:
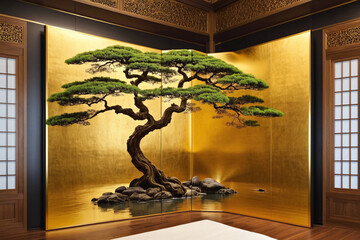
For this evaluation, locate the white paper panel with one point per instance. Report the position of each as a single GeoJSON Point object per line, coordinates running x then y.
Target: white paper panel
{"type": "Point", "coordinates": [338, 98]}
{"type": "Point", "coordinates": [354, 67]}
{"type": "Point", "coordinates": [354, 182]}
{"type": "Point", "coordinates": [11, 66]}
{"type": "Point", "coordinates": [338, 70]}
{"type": "Point", "coordinates": [354, 140]}
{"type": "Point", "coordinates": [11, 182]}
{"type": "Point", "coordinates": [2, 65]}
{"type": "Point", "coordinates": [337, 153]}
{"type": "Point", "coordinates": [346, 98]}
{"type": "Point", "coordinates": [337, 181]}
{"type": "Point", "coordinates": [354, 83]}
{"type": "Point", "coordinates": [337, 127]}
{"type": "Point", "coordinates": [354, 111]}
{"type": "Point", "coordinates": [354, 125]}
{"type": "Point", "coordinates": [354, 168]}
{"type": "Point", "coordinates": [2, 81]}
{"type": "Point", "coordinates": [345, 140]}
{"type": "Point", "coordinates": [338, 87]}
{"type": "Point", "coordinates": [354, 97]}
{"type": "Point", "coordinates": [11, 125]}
{"type": "Point", "coordinates": [337, 112]}
{"type": "Point", "coordinates": [2, 153]}
{"type": "Point", "coordinates": [11, 81]}
{"type": "Point", "coordinates": [346, 112]}
{"type": "Point", "coordinates": [354, 154]}
{"type": "Point", "coordinates": [346, 154]}
{"type": "Point", "coordinates": [11, 96]}
{"type": "Point", "coordinates": [346, 84]}
{"type": "Point", "coordinates": [2, 95]}
{"type": "Point", "coordinates": [2, 182]}
{"type": "Point", "coordinates": [11, 110]}
{"type": "Point", "coordinates": [337, 140]}
{"type": "Point", "coordinates": [337, 167]}
{"type": "Point", "coordinates": [345, 181]}
{"type": "Point", "coordinates": [2, 168]}
{"type": "Point", "coordinates": [3, 124]}
{"type": "Point", "coordinates": [11, 153]}
{"type": "Point", "coordinates": [2, 139]}
{"type": "Point", "coordinates": [346, 69]}
{"type": "Point", "coordinates": [345, 168]}
{"type": "Point", "coordinates": [11, 168]}
{"type": "Point", "coordinates": [2, 110]}
{"type": "Point", "coordinates": [346, 126]}
{"type": "Point", "coordinates": [11, 139]}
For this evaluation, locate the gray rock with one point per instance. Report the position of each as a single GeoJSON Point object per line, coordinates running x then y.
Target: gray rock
{"type": "Point", "coordinates": [113, 198]}
{"type": "Point", "coordinates": [103, 199]}
{"type": "Point", "coordinates": [195, 181]}
{"type": "Point", "coordinates": [196, 188]}
{"type": "Point", "coordinates": [120, 189]}
{"type": "Point", "coordinates": [152, 191]}
{"type": "Point", "coordinates": [107, 193]}
{"type": "Point", "coordinates": [191, 193]}
{"type": "Point", "coordinates": [140, 197]}
{"type": "Point", "coordinates": [209, 185]}
{"type": "Point", "coordinates": [187, 183]}
{"type": "Point", "coordinates": [132, 190]}
{"type": "Point", "coordinates": [163, 195]}
{"type": "Point", "coordinates": [226, 191]}
{"type": "Point", "coordinates": [176, 189]}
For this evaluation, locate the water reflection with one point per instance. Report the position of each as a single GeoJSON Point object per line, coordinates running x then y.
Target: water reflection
{"type": "Point", "coordinates": [136, 209]}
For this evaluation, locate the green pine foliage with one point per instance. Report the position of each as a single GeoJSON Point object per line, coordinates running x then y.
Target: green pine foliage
{"type": "Point", "coordinates": [261, 111]}
{"type": "Point", "coordinates": [218, 78]}
{"type": "Point", "coordinates": [67, 119]}
{"type": "Point", "coordinates": [243, 80]}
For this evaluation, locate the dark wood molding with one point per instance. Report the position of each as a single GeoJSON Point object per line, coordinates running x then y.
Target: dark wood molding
{"type": "Point", "coordinates": [198, 4]}
{"type": "Point", "coordinates": [221, 4]}
{"type": "Point", "coordinates": [277, 18]}
{"type": "Point", "coordinates": [124, 19]}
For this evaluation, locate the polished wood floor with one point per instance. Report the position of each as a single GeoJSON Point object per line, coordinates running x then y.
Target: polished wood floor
{"type": "Point", "coordinates": [128, 227]}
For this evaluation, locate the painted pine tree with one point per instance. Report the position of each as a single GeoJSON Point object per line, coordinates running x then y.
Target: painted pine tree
{"type": "Point", "coordinates": [214, 77]}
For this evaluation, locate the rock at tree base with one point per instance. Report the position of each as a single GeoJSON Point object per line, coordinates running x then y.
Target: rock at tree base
{"type": "Point", "coordinates": [140, 197]}
{"type": "Point", "coordinates": [120, 189]}
{"type": "Point", "coordinates": [226, 191]}
{"type": "Point", "coordinates": [163, 195]}
{"type": "Point", "coordinates": [194, 187]}
{"type": "Point", "coordinates": [113, 198]}
{"type": "Point", "coordinates": [209, 185]}
{"type": "Point", "coordinates": [152, 191]}
{"type": "Point", "coordinates": [132, 190]}
{"type": "Point", "coordinates": [187, 183]}
{"type": "Point", "coordinates": [195, 181]}
{"type": "Point", "coordinates": [191, 193]}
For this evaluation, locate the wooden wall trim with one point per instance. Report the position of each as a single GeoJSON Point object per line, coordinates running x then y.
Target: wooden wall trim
{"type": "Point", "coordinates": [276, 17]}
{"type": "Point", "coordinates": [13, 44]}
{"type": "Point", "coordinates": [122, 18]}
{"type": "Point", "coordinates": [340, 42]}
{"type": "Point", "coordinates": [342, 36]}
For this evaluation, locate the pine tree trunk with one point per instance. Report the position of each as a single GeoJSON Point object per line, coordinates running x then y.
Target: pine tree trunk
{"type": "Point", "coordinates": [153, 177]}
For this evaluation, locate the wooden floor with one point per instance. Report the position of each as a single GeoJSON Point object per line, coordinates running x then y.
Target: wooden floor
{"type": "Point", "coordinates": [128, 227]}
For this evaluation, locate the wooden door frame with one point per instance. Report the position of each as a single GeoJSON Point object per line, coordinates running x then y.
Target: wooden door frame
{"type": "Point", "coordinates": [13, 43]}
{"type": "Point", "coordinates": [339, 43]}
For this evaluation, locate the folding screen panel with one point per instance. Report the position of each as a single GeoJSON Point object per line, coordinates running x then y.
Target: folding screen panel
{"type": "Point", "coordinates": [103, 94]}
{"type": "Point", "coordinates": [268, 165]}
{"type": "Point", "coordinates": [85, 161]}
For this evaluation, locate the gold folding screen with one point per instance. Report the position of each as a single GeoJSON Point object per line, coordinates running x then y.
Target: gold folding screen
{"type": "Point", "coordinates": [85, 161]}
{"type": "Point", "coordinates": [268, 165]}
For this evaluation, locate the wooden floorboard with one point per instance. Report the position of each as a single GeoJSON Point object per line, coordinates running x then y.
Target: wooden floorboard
{"type": "Point", "coordinates": [124, 228]}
